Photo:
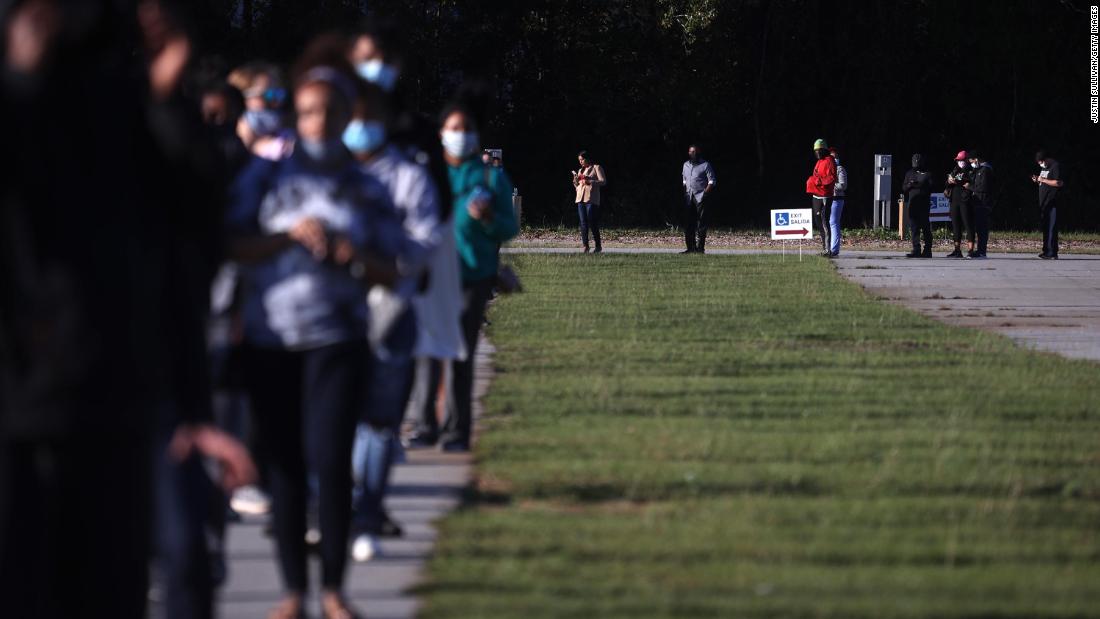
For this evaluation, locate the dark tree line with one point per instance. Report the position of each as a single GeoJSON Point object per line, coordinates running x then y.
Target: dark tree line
{"type": "Point", "coordinates": [753, 81]}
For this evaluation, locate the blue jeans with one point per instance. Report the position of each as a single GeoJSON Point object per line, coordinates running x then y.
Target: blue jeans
{"type": "Point", "coordinates": [589, 215]}
{"type": "Point", "coordinates": [834, 225]}
{"type": "Point", "coordinates": [377, 436]}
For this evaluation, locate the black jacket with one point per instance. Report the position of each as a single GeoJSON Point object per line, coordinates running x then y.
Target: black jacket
{"type": "Point", "coordinates": [958, 194]}
{"type": "Point", "coordinates": [917, 186]}
{"type": "Point", "coordinates": [981, 186]}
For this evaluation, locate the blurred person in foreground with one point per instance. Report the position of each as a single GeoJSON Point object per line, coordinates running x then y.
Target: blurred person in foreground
{"type": "Point", "coordinates": [395, 322]}
{"type": "Point", "coordinates": [103, 266]}
{"type": "Point", "coordinates": [313, 231]}
{"type": "Point", "coordinates": [377, 50]}
{"type": "Point", "coordinates": [262, 127]}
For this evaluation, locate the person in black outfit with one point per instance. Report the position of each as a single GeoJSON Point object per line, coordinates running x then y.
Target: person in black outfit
{"type": "Point", "coordinates": [102, 255]}
{"type": "Point", "coordinates": [961, 209]}
{"type": "Point", "coordinates": [981, 188]}
{"type": "Point", "coordinates": [1049, 180]}
{"type": "Point", "coordinates": [917, 188]}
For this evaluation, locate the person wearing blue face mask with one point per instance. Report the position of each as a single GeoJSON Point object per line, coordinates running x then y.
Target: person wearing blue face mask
{"type": "Point", "coordinates": [368, 53]}
{"type": "Point", "coordinates": [308, 230]}
{"type": "Point", "coordinates": [261, 127]}
{"type": "Point", "coordinates": [405, 320]}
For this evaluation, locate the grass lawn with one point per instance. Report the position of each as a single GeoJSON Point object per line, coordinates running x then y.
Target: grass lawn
{"type": "Point", "coordinates": [736, 436]}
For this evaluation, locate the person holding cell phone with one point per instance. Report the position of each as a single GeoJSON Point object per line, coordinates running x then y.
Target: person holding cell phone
{"type": "Point", "coordinates": [587, 182]}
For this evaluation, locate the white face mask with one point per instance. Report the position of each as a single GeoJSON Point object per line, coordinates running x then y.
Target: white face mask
{"type": "Point", "coordinates": [962, 164]}
{"type": "Point", "coordinates": [460, 144]}
{"type": "Point", "coordinates": [974, 164]}
{"type": "Point", "coordinates": [1043, 165]}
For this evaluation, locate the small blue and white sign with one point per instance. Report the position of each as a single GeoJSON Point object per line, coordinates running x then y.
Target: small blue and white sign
{"type": "Point", "coordinates": [792, 224]}
{"type": "Point", "coordinates": [939, 208]}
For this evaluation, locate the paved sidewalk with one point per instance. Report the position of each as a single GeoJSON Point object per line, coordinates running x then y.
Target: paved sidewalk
{"type": "Point", "coordinates": [1050, 305]}
{"type": "Point", "coordinates": [425, 488]}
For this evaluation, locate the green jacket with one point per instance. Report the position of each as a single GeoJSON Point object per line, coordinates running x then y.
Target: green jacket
{"type": "Point", "coordinates": [479, 241]}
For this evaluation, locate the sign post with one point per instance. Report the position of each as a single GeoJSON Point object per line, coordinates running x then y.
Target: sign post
{"type": "Point", "coordinates": [792, 224]}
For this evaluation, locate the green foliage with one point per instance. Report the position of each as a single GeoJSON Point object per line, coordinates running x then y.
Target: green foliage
{"type": "Point", "coordinates": [674, 436]}
{"type": "Point", "coordinates": [692, 17]}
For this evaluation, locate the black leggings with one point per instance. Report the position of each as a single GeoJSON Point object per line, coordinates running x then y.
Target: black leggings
{"type": "Point", "coordinates": [306, 404]}
{"type": "Point", "coordinates": [962, 218]}
{"type": "Point", "coordinates": [460, 412]}
{"type": "Point", "coordinates": [821, 211]}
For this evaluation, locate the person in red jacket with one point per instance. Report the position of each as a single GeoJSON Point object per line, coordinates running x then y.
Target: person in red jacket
{"type": "Point", "coordinates": [820, 187]}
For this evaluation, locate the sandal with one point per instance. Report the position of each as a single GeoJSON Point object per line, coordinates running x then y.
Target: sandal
{"type": "Point", "coordinates": [333, 606]}
{"type": "Point", "coordinates": [289, 608]}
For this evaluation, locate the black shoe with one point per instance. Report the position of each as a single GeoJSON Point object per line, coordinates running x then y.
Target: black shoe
{"type": "Point", "coordinates": [456, 445]}
{"type": "Point", "coordinates": [700, 251]}
{"type": "Point", "coordinates": [1050, 257]}
{"type": "Point", "coordinates": [912, 254]}
{"type": "Point", "coordinates": [420, 440]}
{"type": "Point", "coordinates": [598, 250]}
{"type": "Point", "coordinates": [972, 254]}
{"type": "Point", "coordinates": [688, 251]}
{"type": "Point", "coordinates": [927, 254]}
{"type": "Point", "coordinates": [390, 528]}
{"type": "Point", "coordinates": [979, 255]}
{"type": "Point", "coordinates": [954, 254]}
{"type": "Point", "coordinates": [1042, 254]}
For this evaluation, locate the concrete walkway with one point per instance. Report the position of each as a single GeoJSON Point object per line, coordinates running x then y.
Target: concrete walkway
{"type": "Point", "coordinates": [1050, 305]}
{"type": "Point", "coordinates": [425, 488]}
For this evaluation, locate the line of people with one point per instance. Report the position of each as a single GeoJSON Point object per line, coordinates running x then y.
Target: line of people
{"type": "Point", "coordinates": [969, 187]}
{"type": "Point", "coordinates": [305, 250]}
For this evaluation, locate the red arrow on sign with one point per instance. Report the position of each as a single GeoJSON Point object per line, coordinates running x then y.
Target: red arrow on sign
{"type": "Point", "coordinates": [802, 232]}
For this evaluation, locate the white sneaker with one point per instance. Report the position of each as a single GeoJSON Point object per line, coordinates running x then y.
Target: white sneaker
{"type": "Point", "coordinates": [313, 536]}
{"type": "Point", "coordinates": [364, 548]}
{"type": "Point", "coordinates": [250, 500]}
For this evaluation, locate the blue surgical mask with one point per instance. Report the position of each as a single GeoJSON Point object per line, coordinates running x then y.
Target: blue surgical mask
{"type": "Point", "coordinates": [377, 72]}
{"type": "Point", "coordinates": [364, 136]}
{"type": "Point", "coordinates": [263, 122]}
{"type": "Point", "coordinates": [460, 144]}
